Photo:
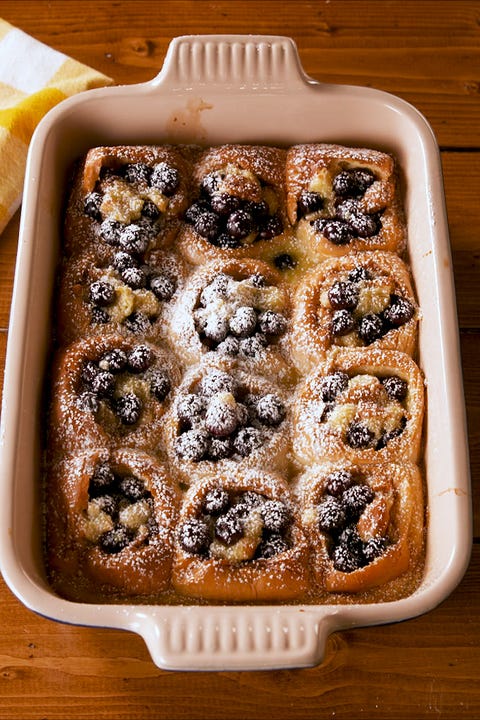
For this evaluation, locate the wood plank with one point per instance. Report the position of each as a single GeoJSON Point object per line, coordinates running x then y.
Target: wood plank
{"type": "Point", "coordinates": [338, 42]}
{"type": "Point", "coordinates": [58, 671]}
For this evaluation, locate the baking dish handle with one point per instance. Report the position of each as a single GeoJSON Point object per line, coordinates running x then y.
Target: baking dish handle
{"type": "Point", "coordinates": [232, 639]}
{"type": "Point", "coordinates": [237, 62]}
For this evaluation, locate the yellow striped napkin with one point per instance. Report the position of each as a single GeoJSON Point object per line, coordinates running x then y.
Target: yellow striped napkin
{"type": "Point", "coordinates": [33, 78]}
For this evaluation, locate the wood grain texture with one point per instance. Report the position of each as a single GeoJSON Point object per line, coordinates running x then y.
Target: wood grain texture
{"type": "Point", "coordinates": [427, 52]}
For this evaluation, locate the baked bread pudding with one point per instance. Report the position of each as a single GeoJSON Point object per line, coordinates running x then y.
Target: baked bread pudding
{"type": "Point", "coordinates": [235, 409]}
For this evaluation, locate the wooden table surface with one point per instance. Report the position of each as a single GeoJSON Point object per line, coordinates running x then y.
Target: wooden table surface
{"type": "Point", "coordinates": [427, 52]}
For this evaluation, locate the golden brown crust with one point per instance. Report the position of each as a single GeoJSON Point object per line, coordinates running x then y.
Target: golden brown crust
{"type": "Point", "coordinates": [392, 524]}
{"type": "Point", "coordinates": [388, 279]}
{"type": "Point", "coordinates": [77, 561]}
{"type": "Point", "coordinates": [283, 577]}
{"type": "Point", "coordinates": [356, 419]}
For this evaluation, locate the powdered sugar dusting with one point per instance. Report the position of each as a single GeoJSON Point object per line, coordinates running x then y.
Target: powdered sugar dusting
{"type": "Point", "coordinates": [245, 370]}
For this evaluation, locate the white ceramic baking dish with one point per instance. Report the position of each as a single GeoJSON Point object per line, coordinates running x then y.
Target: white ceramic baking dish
{"type": "Point", "coordinates": [216, 89]}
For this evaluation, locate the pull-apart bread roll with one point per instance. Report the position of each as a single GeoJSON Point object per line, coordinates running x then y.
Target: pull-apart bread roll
{"type": "Point", "coordinates": [239, 540]}
{"type": "Point", "coordinates": [360, 406]}
{"type": "Point", "coordinates": [117, 294]}
{"type": "Point", "coordinates": [129, 198]}
{"type": "Point", "coordinates": [237, 309]}
{"type": "Point", "coordinates": [225, 418]}
{"type": "Point", "coordinates": [364, 523]}
{"type": "Point", "coordinates": [343, 200]}
{"type": "Point", "coordinates": [239, 203]}
{"type": "Point", "coordinates": [110, 391]}
{"type": "Point", "coordinates": [363, 300]}
{"type": "Point", "coordinates": [111, 524]}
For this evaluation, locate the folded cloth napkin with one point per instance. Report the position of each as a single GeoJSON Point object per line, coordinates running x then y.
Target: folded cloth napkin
{"type": "Point", "coordinates": [33, 78]}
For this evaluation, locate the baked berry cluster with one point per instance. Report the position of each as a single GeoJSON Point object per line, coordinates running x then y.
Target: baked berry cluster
{"type": "Point", "coordinates": [237, 526]}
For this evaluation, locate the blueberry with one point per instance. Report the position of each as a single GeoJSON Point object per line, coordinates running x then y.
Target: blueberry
{"type": "Point", "coordinates": [160, 384]}
{"type": "Point", "coordinates": [253, 346]}
{"type": "Point", "coordinates": [343, 295]}
{"type": "Point", "coordinates": [133, 488]}
{"type": "Point", "coordinates": [346, 558]}
{"type": "Point", "coordinates": [103, 478]}
{"type": "Point", "coordinates": [374, 547]}
{"type": "Point", "coordinates": [359, 436]}
{"type": "Point", "coordinates": [88, 401]}
{"type": "Point", "coordinates": [356, 498]}
{"type": "Point", "coordinates": [110, 231]}
{"type": "Point", "coordinates": [115, 540]}
{"type": "Point", "coordinates": [123, 260]}
{"type": "Point", "coordinates": [99, 316]}
{"type": "Point", "coordinates": [342, 323]}
{"type": "Point", "coordinates": [270, 410]}
{"type": "Point", "coordinates": [244, 322]}
{"type": "Point", "coordinates": [150, 210]}
{"type": "Point", "coordinates": [192, 445]}
{"type": "Point", "coordinates": [92, 204]}
{"type": "Point", "coordinates": [215, 501]}
{"type": "Point", "coordinates": [353, 183]}
{"type": "Point", "coordinates": [103, 384]}
{"type": "Point", "coordinates": [219, 448]}
{"type": "Point", "coordinates": [165, 178]}
{"type": "Point", "coordinates": [338, 481]}
{"type": "Point", "coordinates": [273, 545]}
{"type": "Point", "coordinates": [332, 385]}
{"type": "Point", "coordinates": [229, 346]}
{"type": "Point", "coordinates": [275, 514]}
{"type": "Point", "coordinates": [137, 323]}
{"type": "Point", "coordinates": [194, 536]}
{"type": "Point", "coordinates": [258, 280]}
{"type": "Point", "coordinates": [308, 202]}
{"type": "Point", "coordinates": [210, 183]}
{"type": "Point", "coordinates": [137, 173]}
{"type": "Point", "coordinates": [128, 408]}
{"type": "Point", "coordinates": [193, 212]}
{"type": "Point", "coordinates": [247, 440]}
{"type": "Point", "coordinates": [216, 328]}
{"type": "Point", "coordinates": [227, 242]}
{"type": "Point", "coordinates": [134, 277]}
{"type": "Point", "coordinates": [224, 204]}
{"type": "Point", "coordinates": [190, 408]}
{"type": "Point", "coordinates": [331, 515]}
{"type": "Point", "coordinates": [359, 273]}
{"type": "Point", "coordinates": [229, 528]}
{"type": "Point", "coordinates": [285, 261]}
{"type": "Point", "coordinates": [163, 287]}
{"type": "Point", "coordinates": [240, 223]}
{"type": "Point", "coordinates": [335, 231]}
{"type": "Point", "coordinates": [140, 358]}
{"type": "Point", "coordinates": [370, 328]}
{"type": "Point", "coordinates": [395, 387]}
{"type": "Point", "coordinates": [399, 312]}
{"type": "Point", "coordinates": [360, 223]}
{"type": "Point", "coordinates": [89, 372]}
{"type": "Point", "coordinates": [217, 381]}
{"type": "Point", "coordinates": [208, 225]}
{"type": "Point", "coordinates": [272, 323]}
{"type": "Point", "coordinates": [270, 228]}
{"type": "Point", "coordinates": [134, 239]}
